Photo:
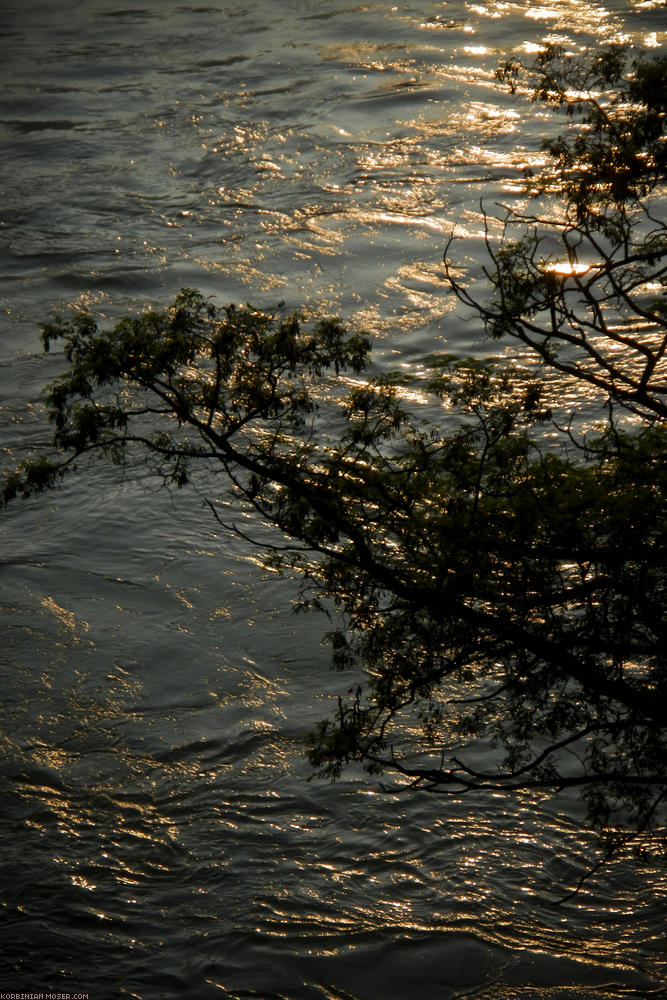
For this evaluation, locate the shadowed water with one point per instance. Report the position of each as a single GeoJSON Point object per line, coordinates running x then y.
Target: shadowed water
{"type": "Point", "coordinates": [160, 837]}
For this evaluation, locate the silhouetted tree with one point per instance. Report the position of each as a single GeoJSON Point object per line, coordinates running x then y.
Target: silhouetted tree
{"type": "Point", "coordinates": [581, 283]}
{"type": "Point", "coordinates": [486, 585]}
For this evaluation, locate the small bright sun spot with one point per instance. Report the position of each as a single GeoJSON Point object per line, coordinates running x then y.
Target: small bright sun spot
{"type": "Point", "coordinates": [567, 268]}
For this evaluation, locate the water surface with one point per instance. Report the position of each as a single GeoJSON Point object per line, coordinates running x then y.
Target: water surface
{"type": "Point", "coordinates": [160, 838]}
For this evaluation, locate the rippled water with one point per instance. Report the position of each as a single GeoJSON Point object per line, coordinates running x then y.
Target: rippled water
{"type": "Point", "coordinates": [160, 837]}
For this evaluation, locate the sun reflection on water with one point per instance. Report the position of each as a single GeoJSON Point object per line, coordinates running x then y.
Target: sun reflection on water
{"type": "Point", "coordinates": [162, 755]}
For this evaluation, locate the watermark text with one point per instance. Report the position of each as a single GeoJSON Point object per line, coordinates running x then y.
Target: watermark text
{"type": "Point", "coordinates": [44, 996]}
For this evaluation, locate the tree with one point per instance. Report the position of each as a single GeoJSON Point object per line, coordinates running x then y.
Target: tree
{"type": "Point", "coordinates": [583, 286]}
{"type": "Point", "coordinates": [483, 582]}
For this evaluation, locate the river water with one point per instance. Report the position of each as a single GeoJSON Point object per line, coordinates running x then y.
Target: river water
{"type": "Point", "coordinates": [159, 835]}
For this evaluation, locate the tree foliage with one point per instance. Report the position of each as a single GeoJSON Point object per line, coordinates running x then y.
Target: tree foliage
{"type": "Point", "coordinates": [486, 586]}
{"type": "Point", "coordinates": [616, 156]}
{"type": "Point", "coordinates": [581, 283]}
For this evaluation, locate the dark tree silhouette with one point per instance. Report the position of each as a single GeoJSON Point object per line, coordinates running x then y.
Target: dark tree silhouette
{"type": "Point", "coordinates": [581, 283]}
{"type": "Point", "coordinates": [486, 585]}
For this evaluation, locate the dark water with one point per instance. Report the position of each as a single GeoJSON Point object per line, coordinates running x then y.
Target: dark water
{"type": "Point", "coordinates": [160, 838]}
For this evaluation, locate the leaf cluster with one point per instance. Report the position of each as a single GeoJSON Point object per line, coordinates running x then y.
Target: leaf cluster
{"type": "Point", "coordinates": [181, 384]}
{"type": "Point", "coordinates": [617, 153]}
{"type": "Point", "coordinates": [581, 282]}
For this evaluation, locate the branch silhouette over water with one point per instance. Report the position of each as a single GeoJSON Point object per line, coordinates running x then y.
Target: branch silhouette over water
{"type": "Point", "coordinates": [486, 581]}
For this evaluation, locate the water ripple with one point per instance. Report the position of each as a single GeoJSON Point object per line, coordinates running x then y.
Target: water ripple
{"type": "Point", "coordinates": [159, 833]}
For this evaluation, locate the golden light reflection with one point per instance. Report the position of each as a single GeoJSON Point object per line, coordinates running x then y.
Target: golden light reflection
{"type": "Point", "coordinates": [419, 285]}
{"type": "Point", "coordinates": [481, 9]}
{"type": "Point", "coordinates": [542, 13]}
{"type": "Point", "coordinates": [394, 218]}
{"type": "Point", "coordinates": [83, 883]}
{"type": "Point", "coordinates": [567, 268]}
{"type": "Point", "coordinates": [651, 40]}
{"type": "Point", "coordinates": [66, 618]}
{"type": "Point", "coordinates": [221, 612]}
{"type": "Point", "coordinates": [370, 56]}
{"type": "Point", "coordinates": [180, 595]}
